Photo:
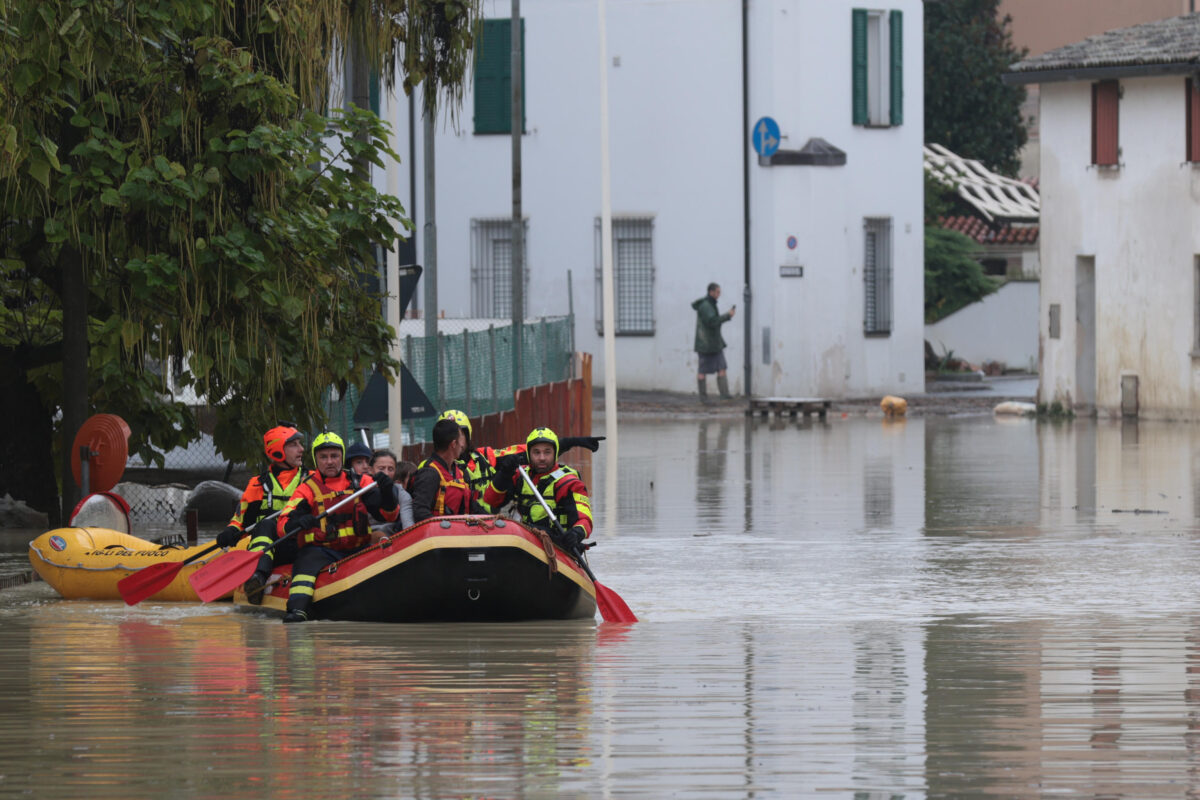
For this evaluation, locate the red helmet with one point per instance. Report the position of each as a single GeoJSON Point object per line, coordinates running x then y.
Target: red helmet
{"type": "Point", "coordinates": [276, 438]}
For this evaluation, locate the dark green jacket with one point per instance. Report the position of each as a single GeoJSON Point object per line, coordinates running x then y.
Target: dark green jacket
{"type": "Point", "coordinates": [708, 325]}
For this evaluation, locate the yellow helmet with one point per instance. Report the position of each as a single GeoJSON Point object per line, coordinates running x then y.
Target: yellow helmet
{"type": "Point", "coordinates": [325, 440]}
{"type": "Point", "coordinates": [540, 436]}
{"type": "Point", "coordinates": [460, 419]}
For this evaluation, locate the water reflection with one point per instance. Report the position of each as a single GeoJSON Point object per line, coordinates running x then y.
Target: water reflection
{"type": "Point", "coordinates": [858, 608]}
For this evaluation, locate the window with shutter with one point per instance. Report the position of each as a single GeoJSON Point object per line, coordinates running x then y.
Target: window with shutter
{"type": "Point", "coordinates": [877, 67]}
{"type": "Point", "coordinates": [1192, 98]}
{"type": "Point", "coordinates": [1105, 101]}
{"type": "Point", "coordinates": [493, 76]}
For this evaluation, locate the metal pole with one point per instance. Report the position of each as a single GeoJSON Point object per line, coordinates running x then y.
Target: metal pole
{"type": "Point", "coordinates": [746, 194]}
{"type": "Point", "coordinates": [570, 316]}
{"type": "Point", "coordinates": [606, 273]}
{"type": "Point", "coordinates": [430, 274]}
{"type": "Point", "coordinates": [492, 348]}
{"type": "Point", "coordinates": [441, 370]}
{"type": "Point", "coordinates": [467, 370]}
{"type": "Point", "coordinates": [518, 222]}
{"type": "Point", "coordinates": [391, 285]}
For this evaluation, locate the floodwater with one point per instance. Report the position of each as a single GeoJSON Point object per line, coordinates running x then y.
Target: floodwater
{"type": "Point", "coordinates": [937, 607]}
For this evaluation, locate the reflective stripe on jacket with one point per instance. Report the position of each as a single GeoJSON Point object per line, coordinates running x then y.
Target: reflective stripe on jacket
{"type": "Point", "coordinates": [345, 529]}
{"type": "Point", "coordinates": [563, 492]}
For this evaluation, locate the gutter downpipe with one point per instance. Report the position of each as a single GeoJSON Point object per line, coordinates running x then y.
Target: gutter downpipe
{"type": "Point", "coordinates": [746, 194]}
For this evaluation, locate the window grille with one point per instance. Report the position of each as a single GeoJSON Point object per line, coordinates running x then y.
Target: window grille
{"type": "Point", "coordinates": [491, 267]}
{"type": "Point", "coordinates": [633, 276]}
{"type": "Point", "coordinates": [877, 276]}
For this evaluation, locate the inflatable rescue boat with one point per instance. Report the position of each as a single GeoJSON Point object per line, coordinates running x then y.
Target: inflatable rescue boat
{"type": "Point", "coordinates": [468, 569]}
{"type": "Point", "coordinates": [86, 563]}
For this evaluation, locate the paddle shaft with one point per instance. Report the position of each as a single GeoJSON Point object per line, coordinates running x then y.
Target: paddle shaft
{"type": "Point", "coordinates": [324, 513]}
{"type": "Point", "coordinates": [577, 553]}
{"type": "Point", "coordinates": [215, 546]}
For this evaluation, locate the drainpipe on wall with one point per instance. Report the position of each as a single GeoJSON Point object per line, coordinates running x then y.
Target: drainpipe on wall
{"type": "Point", "coordinates": [746, 193]}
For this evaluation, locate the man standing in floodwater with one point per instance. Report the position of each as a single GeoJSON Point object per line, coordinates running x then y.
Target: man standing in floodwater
{"type": "Point", "coordinates": [709, 343]}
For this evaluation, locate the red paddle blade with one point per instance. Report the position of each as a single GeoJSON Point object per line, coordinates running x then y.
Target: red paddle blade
{"type": "Point", "coordinates": [137, 586]}
{"type": "Point", "coordinates": [612, 607]}
{"type": "Point", "coordinates": [214, 581]}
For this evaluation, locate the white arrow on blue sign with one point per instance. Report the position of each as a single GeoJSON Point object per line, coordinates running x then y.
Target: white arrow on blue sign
{"type": "Point", "coordinates": [766, 137]}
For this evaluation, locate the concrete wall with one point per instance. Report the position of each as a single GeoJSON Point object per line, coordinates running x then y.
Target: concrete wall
{"type": "Point", "coordinates": [1001, 327]}
{"type": "Point", "coordinates": [1136, 224]}
{"type": "Point", "coordinates": [674, 72]}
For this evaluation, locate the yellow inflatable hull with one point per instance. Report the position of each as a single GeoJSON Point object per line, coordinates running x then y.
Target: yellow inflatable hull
{"type": "Point", "coordinates": [86, 563]}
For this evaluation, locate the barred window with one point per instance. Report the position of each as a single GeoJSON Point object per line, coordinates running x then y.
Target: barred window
{"type": "Point", "coordinates": [633, 276]}
{"type": "Point", "coordinates": [491, 267]}
{"type": "Point", "coordinates": [877, 276]}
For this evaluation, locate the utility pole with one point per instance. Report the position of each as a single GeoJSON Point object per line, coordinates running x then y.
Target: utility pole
{"type": "Point", "coordinates": [607, 289]}
{"type": "Point", "coordinates": [430, 274]}
{"type": "Point", "coordinates": [518, 222]}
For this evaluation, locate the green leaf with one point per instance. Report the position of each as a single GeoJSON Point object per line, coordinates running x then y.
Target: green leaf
{"type": "Point", "coordinates": [39, 170]}
{"type": "Point", "coordinates": [26, 75]}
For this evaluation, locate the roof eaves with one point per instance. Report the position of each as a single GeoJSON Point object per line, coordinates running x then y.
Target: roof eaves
{"type": "Point", "coordinates": [1080, 72]}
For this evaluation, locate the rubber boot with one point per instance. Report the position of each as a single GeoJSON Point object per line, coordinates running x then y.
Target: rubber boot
{"type": "Point", "coordinates": [297, 609]}
{"type": "Point", "coordinates": [702, 388]}
{"type": "Point", "coordinates": [723, 385]}
{"type": "Point", "coordinates": [254, 587]}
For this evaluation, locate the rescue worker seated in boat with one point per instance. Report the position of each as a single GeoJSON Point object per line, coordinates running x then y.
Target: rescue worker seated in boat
{"type": "Point", "coordinates": [265, 494]}
{"type": "Point", "coordinates": [479, 463]}
{"type": "Point", "coordinates": [384, 460]}
{"type": "Point", "coordinates": [358, 458]}
{"type": "Point", "coordinates": [560, 486]}
{"type": "Point", "coordinates": [439, 487]}
{"type": "Point", "coordinates": [342, 532]}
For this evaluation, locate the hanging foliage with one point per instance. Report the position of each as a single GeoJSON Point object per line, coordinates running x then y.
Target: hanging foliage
{"type": "Point", "coordinates": [190, 156]}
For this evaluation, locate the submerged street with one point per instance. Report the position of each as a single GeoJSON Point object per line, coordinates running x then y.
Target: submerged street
{"type": "Point", "coordinates": [934, 607]}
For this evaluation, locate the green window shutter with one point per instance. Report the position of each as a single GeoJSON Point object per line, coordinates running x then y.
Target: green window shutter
{"type": "Point", "coordinates": [373, 92]}
{"type": "Point", "coordinates": [896, 48]}
{"type": "Point", "coordinates": [493, 77]}
{"type": "Point", "coordinates": [858, 70]}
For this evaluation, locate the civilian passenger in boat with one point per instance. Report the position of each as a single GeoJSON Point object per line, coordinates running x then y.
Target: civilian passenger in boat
{"type": "Point", "coordinates": [385, 461]}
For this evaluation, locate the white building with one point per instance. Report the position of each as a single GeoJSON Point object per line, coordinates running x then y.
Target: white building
{"type": "Point", "coordinates": [835, 261]}
{"type": "Point", "coordinates": [1120, 186]}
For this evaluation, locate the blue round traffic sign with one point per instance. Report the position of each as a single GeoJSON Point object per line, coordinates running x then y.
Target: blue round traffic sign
{"type": "Point", "coordinates": [765, 136]}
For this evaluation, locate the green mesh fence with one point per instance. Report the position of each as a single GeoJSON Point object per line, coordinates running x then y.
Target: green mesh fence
{"type": "Point", "coordinates": [470, 369]}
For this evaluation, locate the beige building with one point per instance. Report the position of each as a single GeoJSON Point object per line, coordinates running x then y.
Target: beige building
{"type": "Point", "coordinates": [1039, 25]}
{"type": "Point", "coordinates": [1119, 327]}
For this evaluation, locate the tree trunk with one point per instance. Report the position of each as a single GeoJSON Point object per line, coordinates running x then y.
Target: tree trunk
{"type": "Point", "coordinates": [74, 365]}
{"type": "Point", "coordinates": [27, 447]}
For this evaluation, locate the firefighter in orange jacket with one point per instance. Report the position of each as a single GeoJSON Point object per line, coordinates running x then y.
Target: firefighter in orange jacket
{"type": "Point", "coordinates": [559, 485]}
{"type": "Point", "coordinates": [479, 462]}
{"type": "Point", "coordinates": [265, 494]}
{"type": "Point", "coordinates": [322, 541]}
